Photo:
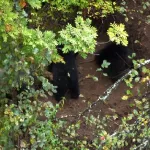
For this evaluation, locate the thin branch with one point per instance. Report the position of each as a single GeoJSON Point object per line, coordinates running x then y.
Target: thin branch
{"type": "Point", "coordinates": [87, 61]}
{"type": "Point", "coordinates": [123, 60]}
{"type": "Point", "coordinates": [142, 145]}
{"type": "Point", "coordinates": [111, 88]}
{"type": "Point", "coordinates": [101, 43]}
{"type": "Point", "coordinates": [105, 95]}
{"type": "Point", "coordinates": [66, 116]}
{"type": "Point", "coordinates": [127, 131]}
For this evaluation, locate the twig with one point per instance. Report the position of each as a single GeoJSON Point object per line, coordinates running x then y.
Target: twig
{"type": "Point", "coordinates": [123, 60]}
{"type": "Point", "coordinates": [126, 131]}
{"type": "Point", "coordinates": [82, 79]}
{"type": "Point", "coordinates": [100, 43]}
{"type": "Point", "coordinates": [66, 116]}
{"type": "Point", "coordinates": [142, 145]}
{"type": "Point", "coordinates": [87, 61]}
{"type": "Point", "coordinates": [106, 93]}
{"type": "Point", "coordinates": [111, 88]}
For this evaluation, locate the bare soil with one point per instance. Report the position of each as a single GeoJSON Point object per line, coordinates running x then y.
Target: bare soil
{"type": "Point", "coordinates": [90, 90]}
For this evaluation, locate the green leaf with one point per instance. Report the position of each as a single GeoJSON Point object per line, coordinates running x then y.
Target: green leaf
{"type": "Point", "coordinates": [105, 64]}
{"type": "Point", "coordinates": [117, 33]}
{"type": "Point", "coordinates": [135, 112]}
{"type": "Point", "coordinates": [137, 79]}
{"type": "Point", "coordinates": [95, 78]}
{"type": "Point", "coordinates": [99, 69]}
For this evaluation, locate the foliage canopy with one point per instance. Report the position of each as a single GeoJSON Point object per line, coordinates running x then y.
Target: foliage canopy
{"type": "Point", "coordinates": [27, 47]}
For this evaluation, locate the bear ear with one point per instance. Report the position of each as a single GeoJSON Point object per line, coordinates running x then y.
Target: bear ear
{"type": "Point", "coordinates": [60, 47]}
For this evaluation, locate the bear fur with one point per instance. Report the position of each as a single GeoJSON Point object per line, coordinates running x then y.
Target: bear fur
{"type": "Point", "coordinates": [117, 55]}
{"type": "Point", "coordinates": [65, 76]}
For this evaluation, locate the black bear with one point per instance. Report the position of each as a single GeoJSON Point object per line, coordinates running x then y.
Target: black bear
{"type": "Point", "coordinates": [65, 76]}
{"type": "Point", "coordinates": [117, 55]}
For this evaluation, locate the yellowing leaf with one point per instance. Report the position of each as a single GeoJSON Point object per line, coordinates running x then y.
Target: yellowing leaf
{"type": "Point", "coordinates": [125, 97]}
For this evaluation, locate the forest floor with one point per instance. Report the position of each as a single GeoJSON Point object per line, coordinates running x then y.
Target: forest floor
{"type": "Point", "coordinates": [90, 90]}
